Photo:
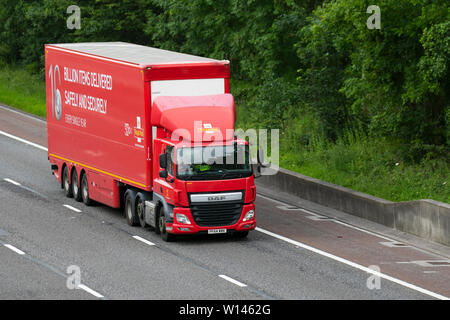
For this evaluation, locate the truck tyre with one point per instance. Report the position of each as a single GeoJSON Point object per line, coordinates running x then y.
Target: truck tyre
{"type": "Point", "coordinates": [130, 208]}
{"type": "Point", "coordinates": [66, 183]}
{"type": "Point", "coordinates": [168, 237]}
{"type": "Point", "coordinates": [75, 187]}
{"type": "Point", "coordinates": [85, 190]}
{"type": "Point", "coordinates": [140, 208]}
{"type": "Point", "coordinates": [158, 212]}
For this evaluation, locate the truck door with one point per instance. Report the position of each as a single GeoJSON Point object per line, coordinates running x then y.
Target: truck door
{"type": "Point", "coordinates": [165, 186]}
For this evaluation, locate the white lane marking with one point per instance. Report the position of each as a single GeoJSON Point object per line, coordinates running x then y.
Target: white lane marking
{"type": "Point", "coordinates": [23, 141]}
{"type": "Point", "coordinates": [294, 208]}
{"type": "Point", "coordinates": [273, 200]}
{"type": "Point", "coordinates": [288, 208]}
{"type": "Point", "coordinates": [394, 244]}
{"type": "Point", "coordinates": [320, 218]}
{"type": "Point", "coordinates": [240, 284]}
{"type": "Point", "coordinates": [89, 290]}
{"type": "Point", "coordinates": [12, 181]}
{"type": "Point", "coordinates": [18, 251]}
{"type": "Point", "coordinates": [365, 231]}
{"type": "Point", "coordinates": [22, 114]}
{"type": "Point", "coordinates": [310, 212]}
{"type": "Point", "coordinates": [354, 265]}
{"type": "Point", "coordinates": [282, 204]}
{"type": "Point", "coordinates": [81, 286]}
{"type": "Point", "coordinates": [71, 208]}
{"type": "Point", "coordinates": [428, 263]}
{"type": "Point", "coordinates": [144, 240]}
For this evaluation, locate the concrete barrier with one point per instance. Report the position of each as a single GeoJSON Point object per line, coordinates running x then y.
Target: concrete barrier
{"type": "Point", "coordinates": [427, 219]}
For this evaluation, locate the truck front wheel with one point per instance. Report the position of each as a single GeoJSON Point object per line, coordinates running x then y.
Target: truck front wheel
{"type": "Point", "coordinates": [162, 228]}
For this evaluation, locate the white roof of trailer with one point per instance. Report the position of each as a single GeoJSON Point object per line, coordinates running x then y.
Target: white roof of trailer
{"type": "Point", "coordinates": [132, 53]}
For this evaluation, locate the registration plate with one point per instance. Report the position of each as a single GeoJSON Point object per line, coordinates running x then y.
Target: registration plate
{"type": "Point", "coordinates": [215, 231]}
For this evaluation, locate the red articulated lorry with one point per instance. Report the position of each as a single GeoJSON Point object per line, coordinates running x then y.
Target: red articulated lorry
{"type": "Point", "coordinates": [151, 131]}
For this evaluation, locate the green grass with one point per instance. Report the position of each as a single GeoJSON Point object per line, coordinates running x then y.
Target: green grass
{"type": "Point", "coordinates": [357, 162]}
{"type": "Point", "coordinates": [371, 166]}
{"type": "Point", "coordinates": [22, 90]}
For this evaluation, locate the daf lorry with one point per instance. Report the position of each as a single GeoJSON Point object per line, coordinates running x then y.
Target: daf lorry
{"type": "Point", "coordinates": [149, 131]}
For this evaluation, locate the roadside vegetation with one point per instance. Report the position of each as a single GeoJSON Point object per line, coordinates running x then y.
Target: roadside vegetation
{"type": "Point", "coordinates": [22, 90]}
{"type": "Point", "coordinates": [366, 109]}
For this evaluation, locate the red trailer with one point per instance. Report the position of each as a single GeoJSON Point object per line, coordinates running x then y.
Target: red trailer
{"type": "Point", "coordinates": [151, 131]}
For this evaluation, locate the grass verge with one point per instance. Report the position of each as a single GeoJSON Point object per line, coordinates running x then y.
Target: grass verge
{"type": "Point", "coordinates": [371, 166]}
{"type": "Point", "coordinates": [22, 90]}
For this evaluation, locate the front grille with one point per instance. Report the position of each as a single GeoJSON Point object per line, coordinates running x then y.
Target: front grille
{"type": "Point", "coordinates": [216, 214]}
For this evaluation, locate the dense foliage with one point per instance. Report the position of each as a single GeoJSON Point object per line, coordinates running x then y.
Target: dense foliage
{"type": "Point", "coordinates": [309, 67]}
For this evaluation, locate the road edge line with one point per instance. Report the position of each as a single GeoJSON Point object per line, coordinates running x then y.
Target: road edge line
{"type": "Point", "coordinates": [24, 141]}
{"type": "Point", "coordinates": [353, 264]}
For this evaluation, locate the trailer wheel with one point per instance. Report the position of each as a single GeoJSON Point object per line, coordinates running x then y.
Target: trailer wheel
{"type": "Point", "coordinates": [168, 237]}
{"type": "Point", "coordinates": [75, 188]}
{"type": "Point", "coordinates": [130, 208]}
{"type": "Point", "coordinates": [66, 183]}
{"type": "Point", "coordinates": [85, 190]}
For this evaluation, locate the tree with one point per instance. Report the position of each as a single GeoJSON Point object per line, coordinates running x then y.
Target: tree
{"type": "Point", "coordinates": [391, 81]}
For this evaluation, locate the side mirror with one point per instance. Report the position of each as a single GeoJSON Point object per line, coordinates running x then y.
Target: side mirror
{"type": "Point", "coordinates": [163, 160]}
{"type": "Point", "coordinates": [256, 170]}
{"type": "Point", "coordinates": [163, 174]}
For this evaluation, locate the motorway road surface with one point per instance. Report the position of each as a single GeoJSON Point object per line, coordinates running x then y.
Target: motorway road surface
{"type": "Point", "coordinates": [296, 252]}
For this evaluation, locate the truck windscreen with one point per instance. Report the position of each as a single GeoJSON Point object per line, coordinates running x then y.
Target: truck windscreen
{"type": "Point", "coordinates": [213, 162]}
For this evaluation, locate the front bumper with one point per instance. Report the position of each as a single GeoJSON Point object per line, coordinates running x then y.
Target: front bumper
{"type": "Point", "coordinates": [181, 228]}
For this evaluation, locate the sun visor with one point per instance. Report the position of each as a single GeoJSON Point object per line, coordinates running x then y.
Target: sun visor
{"type": "Point", "coordinates": [196, 118]}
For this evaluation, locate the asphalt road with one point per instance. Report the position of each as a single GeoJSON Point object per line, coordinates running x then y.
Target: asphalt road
{"type": "Point", "coordinates": [296, 253]}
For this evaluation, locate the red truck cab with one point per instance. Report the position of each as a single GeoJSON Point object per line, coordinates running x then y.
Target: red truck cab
{"type": "Point", "coordinates": [203, 172]}
{"type": "Point", "coordinates": [203, 197]}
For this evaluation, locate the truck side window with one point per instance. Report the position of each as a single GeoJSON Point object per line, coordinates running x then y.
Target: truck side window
{"type": "Point", "coordinates": [169, 152]}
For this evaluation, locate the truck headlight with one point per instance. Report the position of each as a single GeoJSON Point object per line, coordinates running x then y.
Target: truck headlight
{"type": "Point", "coordinates": [181, 218]}
{"type": "Point", "coordinates": [249, 215]}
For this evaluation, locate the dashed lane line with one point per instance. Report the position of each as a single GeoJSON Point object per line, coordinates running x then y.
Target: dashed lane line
{"type": "Point", "coordinates": [71, 208]}
{"type": "Point", "coordinates": [11, 247]}
{"type": "Point", "coordinates": [354, 265]}
{"type": "Point", "coordinates": [24, 141]}
{"type": "Point", "coordinates": [227, 278]}
{"type": "Point", "coordinates": [144, 240]}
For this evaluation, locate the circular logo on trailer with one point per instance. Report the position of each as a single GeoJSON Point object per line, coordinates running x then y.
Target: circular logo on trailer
{"type": "Point", "coordinates": [58, 105]}
{"type": "Point", "coordinates": [56, 94]}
